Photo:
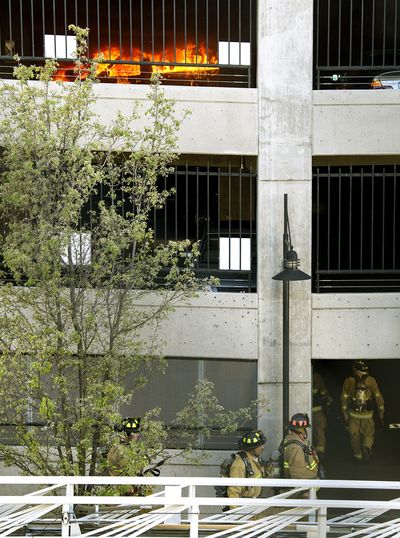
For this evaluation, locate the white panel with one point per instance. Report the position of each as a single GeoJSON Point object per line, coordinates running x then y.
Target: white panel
{"type": "Point", "coordinates": [224, 253]}
{"type": "Point", "coordinates": [80, 249]}
{"type": "Point", "coordinates": [235, 254]}
{"type": "Point", "coordinates": [59, 46]}
{"type": "Point", "coordinates": [245, 254]}
{"type": "Point", "coordinates": [228, 53]}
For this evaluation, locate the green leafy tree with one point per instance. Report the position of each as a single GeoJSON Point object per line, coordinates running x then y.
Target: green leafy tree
{"type": "Point", "coordinates": [77, 267]}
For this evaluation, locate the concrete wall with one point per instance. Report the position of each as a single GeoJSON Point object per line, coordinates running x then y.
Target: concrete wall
{"type": "Point", "coordinates": [223, 121]}
{"type": "Point", "coordinates": [349, 326]}
{"type": "Point", "coordinates": [214, 325]}
{"type": "Point", "coordinates": [356, 122]}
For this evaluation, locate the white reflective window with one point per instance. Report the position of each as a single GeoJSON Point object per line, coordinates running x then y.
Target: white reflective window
{"type": "Point", "coordinates": [234, 253]}
{"type": "Point", "coordinates": [81, 249]}
{"type": "Point", "coordinates": [59, 46]}
{"type": "Point", "coordinates": [234, 53]}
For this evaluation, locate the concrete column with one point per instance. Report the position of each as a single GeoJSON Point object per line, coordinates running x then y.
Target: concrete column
{"type": "Point", "coordinates": [285, 47]}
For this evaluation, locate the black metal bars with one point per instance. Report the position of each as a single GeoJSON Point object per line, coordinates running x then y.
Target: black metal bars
{"type": "Point", "coordinates": [202, 42]}
{"type": "Point", "coordinates": [355, 228]}
{"type": "Point", "coordinates": [355, 40]}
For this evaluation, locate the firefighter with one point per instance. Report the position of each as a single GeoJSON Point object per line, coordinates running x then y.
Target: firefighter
{"type": "Point", "coordinates": [358, 392]}
{"type": "Point", "coordinates": [252, 445]}
{"type": "Point", "coordinates": [321, 400]}
{"type": "Point", "coordinates": [121, 456]}
{"type": "Point", "coordinates": [300, 460]}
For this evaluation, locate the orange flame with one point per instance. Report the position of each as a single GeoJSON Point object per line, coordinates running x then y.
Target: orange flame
{"type": "Point", "coordinates": [191, 54]}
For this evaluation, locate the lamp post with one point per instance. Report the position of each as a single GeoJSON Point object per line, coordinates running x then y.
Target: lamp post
{"type": "Point", "coordinates": [290, 273]}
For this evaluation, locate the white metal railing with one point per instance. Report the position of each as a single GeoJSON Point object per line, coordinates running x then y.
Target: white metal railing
{"type": "Point", "coordinates": [189, 504]}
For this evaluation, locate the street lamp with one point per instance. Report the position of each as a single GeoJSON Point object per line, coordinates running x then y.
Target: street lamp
{"type": "Point", "coordinates": [290, 273]}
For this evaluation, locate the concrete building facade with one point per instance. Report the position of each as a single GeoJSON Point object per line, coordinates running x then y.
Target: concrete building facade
{"type": "Point", "coordinates": [286, 126]}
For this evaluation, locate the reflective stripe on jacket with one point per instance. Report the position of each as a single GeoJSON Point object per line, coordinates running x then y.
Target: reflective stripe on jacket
{"type": "Point", "coordinates": [299, 460]}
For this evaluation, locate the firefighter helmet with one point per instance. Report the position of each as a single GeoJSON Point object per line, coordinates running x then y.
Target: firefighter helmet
{"type": "Point", "coordinates": [252, 440]}
{"type": "Point", "coordinates": [130, 425]}
{"type": "Point", "coordinates": [299, 420]}
{"type": "Point", "coordinates": [360, 366]}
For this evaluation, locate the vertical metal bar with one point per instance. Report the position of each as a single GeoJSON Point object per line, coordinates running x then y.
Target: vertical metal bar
{"type": "Point", "coordinates": [328, 242]}
{"type": "Point", "coordinates": [155, 223]}
{"type": "Point", "coordinates": [350, 212]}
{"type": "Point", "coordinates": [174, 10]}
{"type": "Point", "coordinates": [54, 28]}
{"type": "Point", "coordinates": [361, 216]}
{"type": "Point", "coordinates": [230, 209]}
{"type": "Point", "coordinates": [196, 28]}
{"type": "Point", "coordinates": [395, 33]}
{"type": "Point", "coordinates": [373, 33]}
{"type": "Point", "coordinates": [339, 217]}
{"type": "Point", "coordinates": [328, 34]}
{"type": "Point", "coordinates": [152, 31]}
{"type": "Point", "coordinates": [21, 28]}
{"type": "Point", "coordinates": [33, 29]}
{"type": "Point", "coordinates": [187, 200]}
{"type": "Point", "coordinates": [130, 31]}
{"type": "Point", "coordinates": [165, 213]}
{"type": "Point", "coordinates": [197, 203]}
{"type": "Point", "coordinates": [316, 30]}
{"type": "Point", "coordinates": [318, 229]}
{"type": "Point", "coordinates": [229, 32]}
{"type": "Point", "coordinates": [185, 28]}
{"type": "Point", "coordinates": [384, 34]}
{"type": "Point", "coordinates": [251, 179]}
{"type": "Point", "coordinates": [65, 26]}
{"type": "Point", "coordinates": [43, 23]}
{"type": "Point", "coordinates": [109, 28]}
{"type": "Point", "coordinates": [208, 214]}
{"type": "Point", "coordinates": [372, 214]}
{"type": "Point", "coordinates": [76, 12]}
{"type": "Point", "coordinates": [351, 33]}
{"type": "Point", "coordinates": [383, 218]}
{"type": "Point", "coordinates": [176, 203]}
{"type": "Point", "coordinates": [120, 29]}
{"type": "Point", "coordinates": [240, 32]}
{"type": "Point", "coordinates": [394, 217]}
{"type": "Point", "coordinates": [163, 30]}
{"type": "Point", "coordinates": [218, 26]}
{"type": "Point", "coordinates": [362, 34]}
{"type": "Point", "coordinates": [141, 32]}
{"type": "Point", "coordinates": [207, 32]}
{"type": "Point", "coordinates": [240, 217]}
{"type": "Point", "coordinates": [251, 45]}
{"type": "Point", "coordinates": [219, 214]}
{"type": "Point", "coordinates": [339, 30]}
{"type": "Point", "coordinates": [98, 28]}
{"type": "Point", "coordinates": [87, 26]}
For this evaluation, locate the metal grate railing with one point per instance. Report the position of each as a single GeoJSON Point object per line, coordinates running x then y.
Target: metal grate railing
{"type": "Point", "coordinates": [187, 505]}
{"type": "Point", "coordinates": [355, 40]}
{"type": "Point", "coordinates": [196, 42]}
{"type": "Point", "coordinates": [216, 207]}
{"type": "Point", "coordinates": [355, 228]}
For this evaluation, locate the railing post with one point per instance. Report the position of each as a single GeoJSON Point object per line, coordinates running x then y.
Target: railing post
{"type": "Point", "coordinates": [322, 528]}
{"type": "Point", "coordinates": [172, 491]}
{"type": "Point", "coordinates": [313, 495]}
{"type": "Point", "coordinates": [194, 514]}
{"type": "Point", "coordinates": [67, 511]}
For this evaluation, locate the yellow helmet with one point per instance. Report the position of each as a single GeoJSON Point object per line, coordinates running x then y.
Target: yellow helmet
{"type": "Point", "coordinates": [130, 425]}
